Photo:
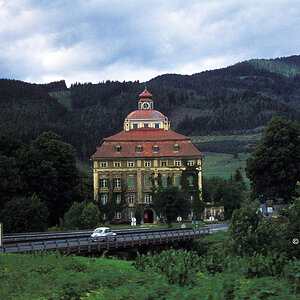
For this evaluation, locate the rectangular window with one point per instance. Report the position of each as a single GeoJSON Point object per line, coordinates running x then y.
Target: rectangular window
{"type": "Point", "coordinates": [163, 163]}
{"type": "Point", "coordinates": [147, 163]}
{"type": "Point", "coordinates": [117, 164]}
{"type": "Point", "coordinates": [164, 181]}
{"type": "Point", "coordinates": [131, 181]}
{"type": "Point", "coordinates": [104, 199]}
{"type": "Point", "coordinates": [131, 199]}
{"type": "Point", "coordinates": [118, 199]}
{"type": "Point", "coordinates": [147, 181]}
{"type": "Point", "coordinates": [146, 125]}
{"type": "Point", "coordinates": [103, 164]}
{"type": "Point", "coordinates": [130, 164]}
{"type": "Point", "coordinates": [104, 182]}
{"type": "Point", "coordinates": [130, 215]}
{"type": "Point", "coordinates": [177, 180]}
{"type": "Point", "coordinates": [135, 126]}
{"type": "Point", "coordinates": [177, 163]}
{"type": "Point", "coordinates": [118, 215]}
{"type": "Point", "coordinates": [190, 163]}
{"type": "Point", "coordinates": [156, 125]}
{"type": "Point", "coordinates": [117, 182]}
{"type": "Point", "coordinates": [147, 198]}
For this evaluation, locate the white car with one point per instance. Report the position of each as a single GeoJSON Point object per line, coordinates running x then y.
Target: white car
{"type": "Point", "coordinates": [103, 234]}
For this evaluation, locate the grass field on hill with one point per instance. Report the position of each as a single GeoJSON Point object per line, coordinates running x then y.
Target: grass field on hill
{"type": "Point", "coordinates": [230, 144]}
{"type": "Point", "coordinates": [223, 165]}
{"type": "Point", "coordinates": [236, 137]}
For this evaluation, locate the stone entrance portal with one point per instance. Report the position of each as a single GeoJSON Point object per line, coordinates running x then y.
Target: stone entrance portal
{"type": "Point", "coordinates": [148, 216]}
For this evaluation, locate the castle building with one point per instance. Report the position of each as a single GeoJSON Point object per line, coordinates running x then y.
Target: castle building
{"type": "Point", "coordinates": [125, 163]}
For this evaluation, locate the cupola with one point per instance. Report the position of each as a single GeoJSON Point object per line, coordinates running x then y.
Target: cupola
{"type": "Point", "coordinates": [146, 102]}
{"type": "Point", "coordinates": [145, 116]}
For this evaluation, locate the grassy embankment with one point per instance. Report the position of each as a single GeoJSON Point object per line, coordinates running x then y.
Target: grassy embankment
{"type": "Point", "coordinates": [54, 276]}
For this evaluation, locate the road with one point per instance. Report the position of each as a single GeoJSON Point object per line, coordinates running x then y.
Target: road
{"type": "Point", "coordinates": [217, 227]}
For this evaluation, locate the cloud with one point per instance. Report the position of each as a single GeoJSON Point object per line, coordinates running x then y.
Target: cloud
{"type": "Point", "coordinates": [92, 41]}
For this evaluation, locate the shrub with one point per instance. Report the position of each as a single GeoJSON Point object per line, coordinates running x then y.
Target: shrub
{"type": "Point", "coordinates": [90, 216]}
{"type": "Point", "coordinates": [291, 271]}
{"type": "Point", "coordinates": [72, 218]}
{"type": "Point", "coordinates": [178, 266]}
{"type": "Point", "coordinates": [242, 229]}
{"type": "Point", "coordinates": [25, 214]}
{"type": "Point", "coordinates": [81, 216]}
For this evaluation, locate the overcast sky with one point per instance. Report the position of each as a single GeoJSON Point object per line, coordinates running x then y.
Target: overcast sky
{"type": "Point", "coordinates": [93, 41]}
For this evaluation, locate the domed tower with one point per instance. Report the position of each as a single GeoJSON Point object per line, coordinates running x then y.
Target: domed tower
{"type": "Point", "coordinates": [146, 116]}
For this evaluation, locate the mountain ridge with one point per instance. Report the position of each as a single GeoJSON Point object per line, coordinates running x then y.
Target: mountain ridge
{"type": "Point", "coordinates": [240, 97]}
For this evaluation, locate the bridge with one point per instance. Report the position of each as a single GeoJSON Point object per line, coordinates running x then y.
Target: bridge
{"type": "Point", "coordinates": [80, 242]}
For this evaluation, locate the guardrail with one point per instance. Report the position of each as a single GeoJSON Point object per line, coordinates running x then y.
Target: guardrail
{"type": "Point", "coordinates": [39, 236]}
{"type": "Point", "coordinates": [122, 241]}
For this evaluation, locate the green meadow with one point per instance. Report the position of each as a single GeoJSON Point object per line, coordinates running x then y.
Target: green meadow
{"type": "Point", "coordinates": [223, 165]}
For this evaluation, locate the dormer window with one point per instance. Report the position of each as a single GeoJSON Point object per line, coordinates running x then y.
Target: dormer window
{"type": "Point", "coordinates": [155, 149]}
{"type": "Point", "coordinates": [118, 148]}
{"type": "Point", "coordinates": [176, 148]}
{"type": "Point", "coordinates": [139, 149]}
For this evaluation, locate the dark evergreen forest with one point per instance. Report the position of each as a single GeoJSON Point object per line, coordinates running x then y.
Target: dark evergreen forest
{"type": "Point", "coordinates": [237, 98]}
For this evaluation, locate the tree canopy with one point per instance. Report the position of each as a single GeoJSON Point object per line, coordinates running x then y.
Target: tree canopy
{"type": "Point", "coordinates": [274, 166]}
{"type": "Point", "coordinates": [46, 169]}
{"type": "Point", "coordinates": [25, 214]}
{"type": "Point", "coordinates": [171, 202]}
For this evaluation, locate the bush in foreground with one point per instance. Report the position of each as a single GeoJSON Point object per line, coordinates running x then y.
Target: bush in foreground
{"type": "Point", "coordinates": [55, 276]}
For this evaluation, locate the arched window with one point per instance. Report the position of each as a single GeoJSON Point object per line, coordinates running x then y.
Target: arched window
{"type": "Point", "coordinates": [118, 148]}
{"type": "Point", "coordinates": [155, 149]}
{"type": "Point", "coordinates": [139, 149]}
{"type": "Point", "coordinates": [176, 148]}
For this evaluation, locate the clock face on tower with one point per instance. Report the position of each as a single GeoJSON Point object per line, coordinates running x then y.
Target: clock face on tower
{"type": "Point", "coordinates": [146, 105]}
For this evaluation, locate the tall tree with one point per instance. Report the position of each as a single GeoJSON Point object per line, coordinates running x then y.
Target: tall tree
{"type": "Point", "coordinates": [189, 184]}
{"type": "Point", "coordinates": [238, 177]}
{"type": "Point", "coordinates": [274, 166]}
{"type": "Point", "coordinates": [171, 202]}
{"type": "Point", "coordinates": [25, 214]}
{"type": "Point", "coordinates": [49, 170]}
{"type": "Point", "coordinates": [10, 180]}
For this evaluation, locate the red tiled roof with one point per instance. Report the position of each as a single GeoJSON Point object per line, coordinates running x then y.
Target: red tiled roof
{"type": "Point", "coordinates": [165, 140]}
{"type": "Point", "coordinates": [147, 134]}
{"type": "Point", "coordinates": [145, 114]}
{"type": "Point", "coordinates": [128, 149]}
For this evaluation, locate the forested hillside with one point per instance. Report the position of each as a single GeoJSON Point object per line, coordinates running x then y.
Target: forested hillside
{"type": "Point", "coordinates": [237, 98]}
